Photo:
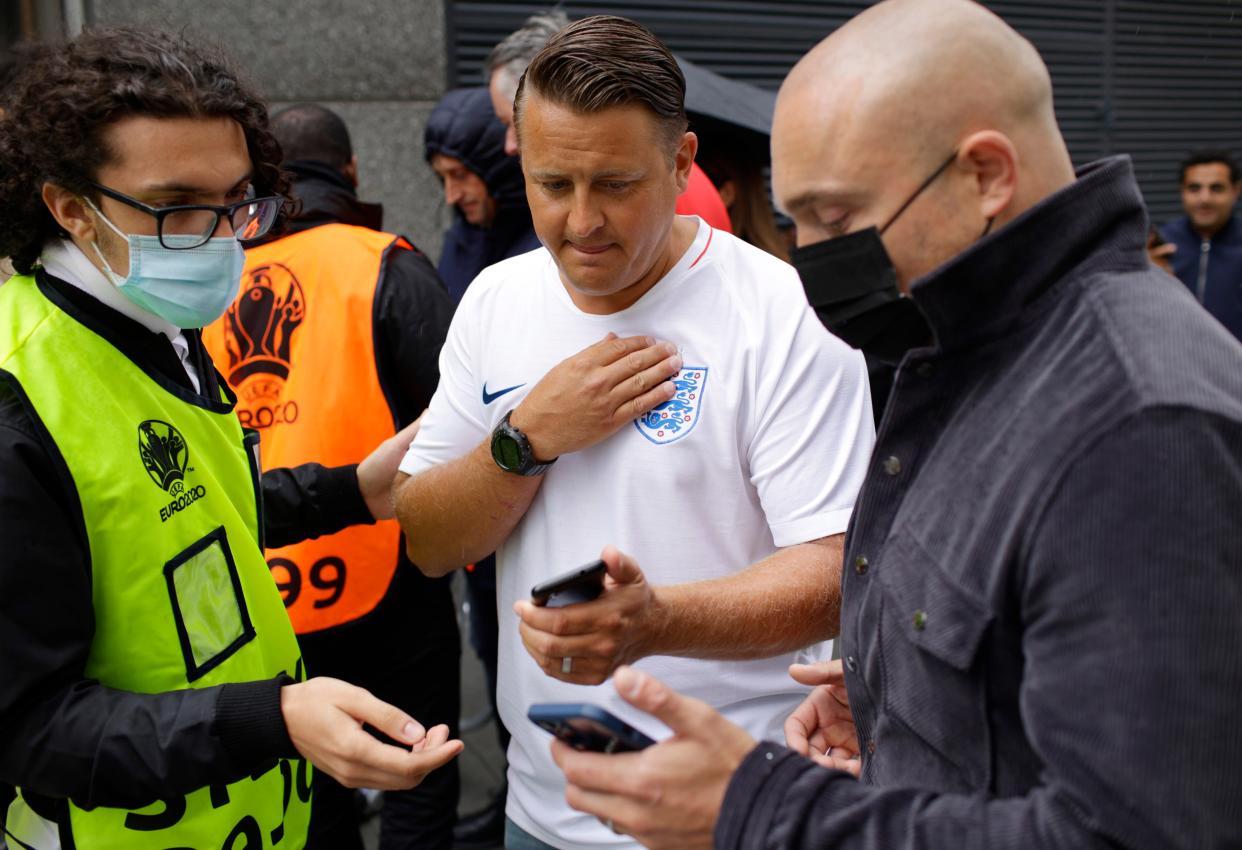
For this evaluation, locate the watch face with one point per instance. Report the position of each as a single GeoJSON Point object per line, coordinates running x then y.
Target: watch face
{"type": "Point", "coordinates": [506, 452]}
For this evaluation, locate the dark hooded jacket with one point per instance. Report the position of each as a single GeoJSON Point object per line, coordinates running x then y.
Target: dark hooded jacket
{"type": "Point", "coordinates": [464, 126]}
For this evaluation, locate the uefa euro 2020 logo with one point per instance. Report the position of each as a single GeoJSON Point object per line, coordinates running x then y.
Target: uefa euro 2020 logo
{"type": "Point", "coordinates": [166, 457]}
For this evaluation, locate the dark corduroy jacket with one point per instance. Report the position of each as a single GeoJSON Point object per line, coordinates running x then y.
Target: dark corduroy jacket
{"type": "Point", "coordinates": [1042, 619]}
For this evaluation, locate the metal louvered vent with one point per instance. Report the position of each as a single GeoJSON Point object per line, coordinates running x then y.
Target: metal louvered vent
{"type": "Point", "coordinates": [1151, 78]}
{"type": "Point", "coordinates": [1177, 85]}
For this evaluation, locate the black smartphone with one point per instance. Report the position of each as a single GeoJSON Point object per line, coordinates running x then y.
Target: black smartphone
{"type": "Point", "coordinates": [580, 585]}
{"type": "Point", "coordinates": [588, 727]}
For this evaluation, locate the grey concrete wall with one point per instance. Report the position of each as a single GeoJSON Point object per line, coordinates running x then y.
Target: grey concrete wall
{"type": "Point", "coordinates": [380, 63]}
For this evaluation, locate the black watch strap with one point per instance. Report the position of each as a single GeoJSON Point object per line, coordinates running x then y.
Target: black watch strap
{"type": "Point", "coordinates": [512, 452]}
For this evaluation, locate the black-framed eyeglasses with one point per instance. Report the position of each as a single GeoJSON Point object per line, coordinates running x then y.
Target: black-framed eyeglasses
{"type": "Point", "coordinates": [190, 225]}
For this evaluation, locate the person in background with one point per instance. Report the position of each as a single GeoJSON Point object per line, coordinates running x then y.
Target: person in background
{"type": "Point", "coordinates": [332, 345]}
{"type": "Point", "coordinates": [1208, 238]}
{"type": "Point", "coordinates": [505, 66]}
{"type": "Point", "coordinates": [154, 692]}
{"type": "Point", "coordinates": [736, 170]}
{"type": "Point", "coordinates": [1044, 570]}
{"type": "Point", "coordinates": [464, 144]}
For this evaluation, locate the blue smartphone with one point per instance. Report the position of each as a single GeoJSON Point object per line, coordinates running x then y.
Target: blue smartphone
{"type": "Point", "coordinates": [588, 727]}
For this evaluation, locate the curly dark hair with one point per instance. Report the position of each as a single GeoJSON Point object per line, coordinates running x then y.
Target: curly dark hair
{"type": "Point", "coordinates": [64, 98]}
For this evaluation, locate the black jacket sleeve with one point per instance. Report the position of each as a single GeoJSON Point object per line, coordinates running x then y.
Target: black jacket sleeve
{"type": "Point", "coordinates": [308, 501]}
{"type": "Point", "coordinates": [1131, 679]}
{"type": "Point", "coordinates": [412, 315]}
{"type": "Point", "coordinates": [63, 735]}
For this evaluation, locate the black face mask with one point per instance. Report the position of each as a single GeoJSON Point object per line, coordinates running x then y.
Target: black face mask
{"type": "Point", "coordinates": [851, 283]}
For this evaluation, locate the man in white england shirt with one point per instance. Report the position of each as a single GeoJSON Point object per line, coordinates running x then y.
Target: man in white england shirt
{"type": "Point", "coordinates": [654, 389]}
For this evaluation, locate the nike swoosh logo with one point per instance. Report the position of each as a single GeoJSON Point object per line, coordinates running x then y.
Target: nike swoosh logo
{"type": "Point", "coordinates": [488, 398]}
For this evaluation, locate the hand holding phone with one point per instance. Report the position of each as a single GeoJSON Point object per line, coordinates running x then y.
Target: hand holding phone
{"type": "Point", "coordinates": [588, 727]}
{"type": "Point", "coordinates": [583, 643]}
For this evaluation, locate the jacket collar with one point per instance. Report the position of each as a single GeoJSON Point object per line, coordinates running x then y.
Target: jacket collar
{"type": "Point", "coordinates": [1098, 221]}
{"type": "Point", "coordinates": [326, 197]}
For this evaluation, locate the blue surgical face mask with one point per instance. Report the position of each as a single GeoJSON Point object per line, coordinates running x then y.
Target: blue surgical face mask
{"type": "Point", "coordinates": [189, 288]}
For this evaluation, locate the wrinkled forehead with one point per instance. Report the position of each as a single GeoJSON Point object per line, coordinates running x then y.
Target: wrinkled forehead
{"type": "Point", "coordinates": [1208, 173]}
{"type": "Point", "coordinates": [208, 153]}
{"type": "Point", "coordinates": [560, 137]}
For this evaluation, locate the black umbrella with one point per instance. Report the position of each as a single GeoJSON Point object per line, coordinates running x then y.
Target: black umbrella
{"type": "Point", "coordinates": [713, 100]}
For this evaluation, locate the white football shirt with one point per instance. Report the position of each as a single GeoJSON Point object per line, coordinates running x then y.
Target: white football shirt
{"type": "Point", "coordinates": [765, 446]}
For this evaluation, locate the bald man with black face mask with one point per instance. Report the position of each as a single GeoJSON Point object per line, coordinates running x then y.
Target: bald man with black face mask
{"type": "Point", "coordinates": [1039, 628]}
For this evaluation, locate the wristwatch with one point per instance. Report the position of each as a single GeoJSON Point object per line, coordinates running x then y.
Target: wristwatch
{"type": "Point", "coordinates": [512, 452]}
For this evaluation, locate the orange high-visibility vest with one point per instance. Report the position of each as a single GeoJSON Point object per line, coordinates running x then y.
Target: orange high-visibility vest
{"type": "Point", "coordinates": [297, 346]}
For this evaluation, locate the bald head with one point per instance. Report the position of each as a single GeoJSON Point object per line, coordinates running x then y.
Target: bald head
{"type": "Point", "coordinates": [875, 107]}
{"type": "Point", "coordinates": [926, 70]}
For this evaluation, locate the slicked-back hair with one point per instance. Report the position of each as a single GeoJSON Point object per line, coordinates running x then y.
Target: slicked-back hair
{"type": "Point", "coordinates": [606, 61]}
{"type": "Point", "coordinates": [309, 131]}
{"type": "Point", "coordinates": [1210, 157]}
{"type": "Point", "coordinates": [65, 96]}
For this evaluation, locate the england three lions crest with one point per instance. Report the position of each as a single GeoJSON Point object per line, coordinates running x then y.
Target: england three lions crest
{"type": "Point", "coordinates": [677, 417]}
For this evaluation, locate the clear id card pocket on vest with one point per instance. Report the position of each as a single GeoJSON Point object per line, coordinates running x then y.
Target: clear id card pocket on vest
{"type": "Point", "coordinates": [208, 604]}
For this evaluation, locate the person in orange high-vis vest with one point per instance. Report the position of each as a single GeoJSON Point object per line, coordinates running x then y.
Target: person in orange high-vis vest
{"type": "Point", "coordinates": [331, 346]}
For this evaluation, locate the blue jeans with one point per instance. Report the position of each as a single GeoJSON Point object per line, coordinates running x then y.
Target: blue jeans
{"type": "Point", "coordinates": [517, 838]}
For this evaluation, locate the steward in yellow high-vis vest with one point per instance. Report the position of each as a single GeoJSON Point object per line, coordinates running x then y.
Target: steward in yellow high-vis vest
{"type": "Point", "coordinates": [168, 490]}
{"type": "Point", "coordinates": [154, 693]}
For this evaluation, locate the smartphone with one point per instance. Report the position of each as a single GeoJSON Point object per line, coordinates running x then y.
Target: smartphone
{"type": "Point", "coordinates": [580, 585]}
{"type": "Point", "coordinates": [588, 727]}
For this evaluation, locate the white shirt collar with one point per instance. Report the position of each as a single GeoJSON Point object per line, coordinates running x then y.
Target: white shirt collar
{"type": "Point", "coordinates": [65, 260]}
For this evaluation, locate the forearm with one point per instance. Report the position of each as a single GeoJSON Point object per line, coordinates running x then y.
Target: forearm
{"type": "Point", "coordinates": [307, 501]}
{"type": "Point", "coordinates": [783, 603]}
{"type": "Point", "coordinates": [104, 747]}
{"type": "Point", "coordinates": [461, 511]}
{"type": "Point", "coordinates": [786, 802]}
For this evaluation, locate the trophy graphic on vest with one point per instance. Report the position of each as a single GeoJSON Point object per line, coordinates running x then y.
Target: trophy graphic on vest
{"type": "Point", "coordinates": [259, 328]}
{"type": "Point", "coordinates": [164, 454]}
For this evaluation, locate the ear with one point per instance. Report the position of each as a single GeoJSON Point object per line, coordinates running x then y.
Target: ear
{"type": "Point", "coordinates": [992, 161]}
{"type": "Point", "coordinates": [69, 211]}
{"type": "Point", "coordinates": [684, 158]}
{"type": "Point", "coordinates": [350, 170]}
